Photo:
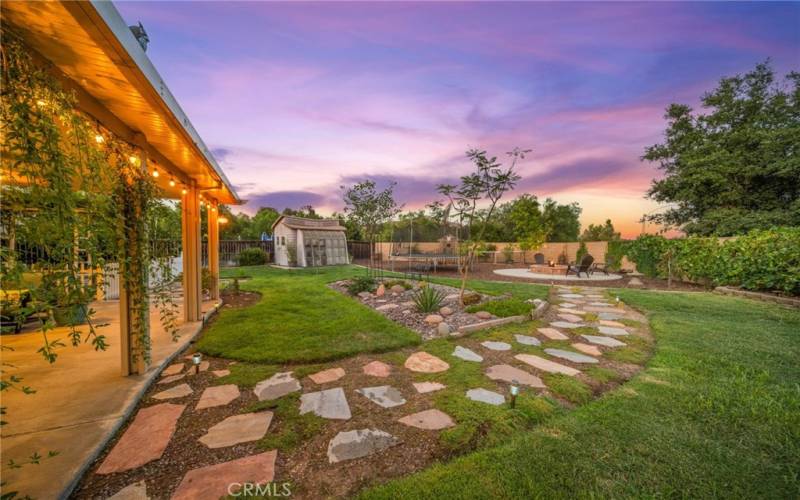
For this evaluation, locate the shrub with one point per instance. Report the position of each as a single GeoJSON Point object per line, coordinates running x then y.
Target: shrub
{"type": "Point", "coordinates": [582, 250]}
{"type": "Point", "coordinates": [508, 254]}
{"type": "Point", "coordinates": [361, 284]}
{"type": "Point", "coordinates": [614, 254]}
{"type": "Point", "coordinates": [503, 308]}
{"type": "Point", "coordinates": [252, 257]}
{"type": "Point", "coordinates": [391, 283]}
{"type": "Point", "coordinates": [428, 299]}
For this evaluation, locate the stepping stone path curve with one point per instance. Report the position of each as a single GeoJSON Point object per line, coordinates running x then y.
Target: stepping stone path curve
{"type": "Point", "coordinates": [527, 340]}
{"type": "Point", "coordinates": [425, 387]}
{"type": "Point", "coordinates": [496, 346]}
{"type": "Point", "coordinates": [467, 354]}
{"type": "Point", "coordinates": [571, 356]}
{"type": "Point", "coordinates": [510, 374]}
{"type": "Point", "coordinates": [358, 443]}
{"type": "Point", "coordinates": [219, 395]}
{"type": "Point", "coordinates": [330, 404]}
{"type": "Point", "coordinates": [145, 439]}
{"type": "Point", "coordinates": [377, 369]}
{"type": "Point", "coordinates": [277, 386]}
{"type": "Point", "coordinates": [486, 396]}
{"type": "Point", "coordinates": [238, 429]}
{"type": "Point", "coordinates": [384, 396]}
{"type": "Point", "coordinates": [547, 365]}
{"type": "Point", "coordinates": [422, 362]}
{"type": "Point", "coordinates": [604, 341]}
{"type": "Point", "coordinates": [429, 420]}
{"type": "Point", "coordinates": [213, 481]}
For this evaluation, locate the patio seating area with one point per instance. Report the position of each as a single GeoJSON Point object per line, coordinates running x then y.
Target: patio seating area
{"type": "Point", "coordinates": [557, 276]}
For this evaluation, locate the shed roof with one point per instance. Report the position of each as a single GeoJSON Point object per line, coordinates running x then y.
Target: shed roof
{"type": "Point", "coordinates": [303, 223]}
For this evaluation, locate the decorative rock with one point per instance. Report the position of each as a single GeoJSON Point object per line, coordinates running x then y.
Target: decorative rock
{"type": "Point", "coordinates": [171, 379]}
{"type": "Point", "coordinates": [277, 386]}
{"type": "Point", "coordinates": [635, 282]}
{"type": "Point", "coordinates": [570, 317]}
{"type": "Point", "coordinates": [613, 324]}
{"type": "Point", "coordinates": [330, 404]}
{"type": "Point", "coordinates": [443, 329]}
{"type": "Point", "coordinates": [398, 289]}
{"type": "Point", "coordinates": [377, 369]}
{"type": "Point", "coordinates": [446, 311]}
{"type": "Point", "coordinates": [387, 307]}
{"type": "Point", "coordinates": [452, 296]}
{"type": "Point", "coordinates": [359, 443]}
{"type": "Point", "coordinates": [433, 319]}
{"type": "Point", "coordinates": [615, 332]}
{"type": "Point", "coordinates": [364, 295]}
{"type": "Point", "coordinates": [566, 324]}
{"type": "Point", "coordinates": [178, 391]}
{"type": "Point", "coordinates": [384, 396]}
{"type": "Point", "coordinates": [430, 420]}
{"type": "Point", "coordinates": [217, 396]}
{"type": "Point", "coordinates": [508, 373]}
{"type": "Point", "coordinates": [552, 334]}
{"type": "Point", "coordinates": [527, 340]}
{"type": "Point", "coordinates": [381, 291]}
{"type": "Point", "coordinates": [483, 315]}
{"type": "Point", "coordinates": [407, 311]}
{"type": "Point", "coordinates": [467, 354]}
{"type": "Point", "coordinates": [546, 365]}
{"type": "Point", "coordinates": [587, 349]}
{"type": "Point", "coordinates": [221, 373]}
{"type": "Point", "coordinates": [238, 429]}
{"type": "Point", "coordinates": [172, 369]}
{"type": "Point", "coordinates": [135, 491]}
{"type": "Point", "coordinates": [496, 346]}
{"type": "Point", "coordinates": [604, 341]}
{"type": "Point", "coordinates": [609, 315]}
{"type": "Point", "coordinates": [214, 481]}
{"type": "Point", "coordinates": [145, 439]}
{"type": "Point", "coordinates": [484, 396]}
{"type": "Point", "coordinates": [424, 387]}
{"type": "Point", "coordinates": [571, 356]}
{"type": "Point", "coordinates": [326, 376]}
{"type": "Point", "coordinates": [423, 362]}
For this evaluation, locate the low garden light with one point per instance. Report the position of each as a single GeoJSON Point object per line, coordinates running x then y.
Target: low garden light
{"type": "Point", "coordinates": [514, 389]}
{"type": "Point", "coordinates": [196, 358]}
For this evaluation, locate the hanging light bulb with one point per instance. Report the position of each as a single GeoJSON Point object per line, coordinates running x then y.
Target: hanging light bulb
{"type": "Point", "coordinates": [155, 172]}
{"type": "Point", "coordinates": [99, 139]}
{"type": "Point", "coordinates": [183, 190]}
{"type": "Point", "coordinates": [172, 182]}
{"type": "Point", "coordinates": [134, 160]}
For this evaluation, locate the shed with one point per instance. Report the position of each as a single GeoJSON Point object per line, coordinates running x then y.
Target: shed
{"type": "Point", "coordinates": [301, 242]}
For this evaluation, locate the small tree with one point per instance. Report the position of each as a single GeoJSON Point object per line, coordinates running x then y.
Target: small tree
{"type": "Point", "coordinates": [369, 208]}
{"type": "Point", "coordinates": [487, 184]}
{"type": "Point", "coordinates": [532, 240]}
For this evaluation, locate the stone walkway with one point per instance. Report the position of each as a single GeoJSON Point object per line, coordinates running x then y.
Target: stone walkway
{"type": "Point", "coordinates": [566, 352]}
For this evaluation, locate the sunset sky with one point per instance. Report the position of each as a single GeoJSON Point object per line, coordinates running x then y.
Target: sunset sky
{"type": "Point", "coordinates": [296, 99]}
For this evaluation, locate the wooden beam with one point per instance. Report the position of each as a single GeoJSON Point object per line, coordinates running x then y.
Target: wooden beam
{"type": "Point", "coordinates": [213, 247]}
{"type": "Point", "coordinates": [190, 234]}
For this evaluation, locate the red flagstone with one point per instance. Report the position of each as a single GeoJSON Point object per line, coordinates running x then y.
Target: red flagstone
{"type": "Point", "coordinates": [377, 369]}
{"type": "Point", "coordinates": [423, 362]}
{"type": "Point", "coordinates": [217, 396]}
{"type": "Point", "coordinates": [172, 369]}
{"type": "Point", "coordinates": [326, 376]}
{"type": "Point", "coordinates": [430, 420]}
{"type": "Point", "coordinates": [145, 439]}
{"type": "Point", "coordinates": [221, 373]}
{"type": "Point", "coordinates": [587, 349]}
{"type": "Point", "coordinates": [213, 481]}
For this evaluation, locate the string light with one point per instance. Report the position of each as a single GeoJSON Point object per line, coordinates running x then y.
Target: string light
{"type": "Point", "coordinates": [41, 103]}
{"type": "Point", "coordinates": [155, 172]}
{"type": "Point", "coordinates": [172, 182]}
{"type": "Point", "coordinates": [99, 139]}
{"type": "Point", "coordinates": [183, 189]}
{"type": "Point", "coordinates": [134, 160]}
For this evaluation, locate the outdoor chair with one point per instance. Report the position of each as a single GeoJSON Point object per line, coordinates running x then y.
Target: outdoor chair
{"type": "Point", "coordinates": [538, 259]}
{"type": "Point", "coordinates": [601, 267]}
{"type": "Point", "coordinates": [584, 267]}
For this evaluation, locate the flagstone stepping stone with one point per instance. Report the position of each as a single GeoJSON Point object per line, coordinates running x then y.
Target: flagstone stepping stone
{"type": "Point", "coordinates": [571, 356]}
{"type": "Point", "coordinates": [203, 366]}
{"type": "Point", "coordinates": [331, 404]}
{"type": "Point", "coordinates": [423, 387]}
{"type": "Point", "coordinates": [135, 491]}
{"type": "Point", "coordinates": [571, 296]}
{"type": "Point", "coordinates": [145, 439]}
{"type": "Point", "coordinates": [384, 396]}
{"type": "Point", "coordinates": [221, 373]}
{"type": "Point", "coordinates": [527, 339]}
{"type": "Point", "coordinates": [567, 305]}
{"type": "Point", "coordinates": [598, 309]}
{"type": "Point", "coordinates": [238, 429]}
{"type": "Point", "coordinates": [219, 395]}
{"type": "Point", "coordinates": [178, 391]}
{"type": "Point", "coordinates": [587, 349]}
{"type": "Point", "coordinates": [496, 346]}
{"type": "Point", "coordinates": [327, 376]}
{"type": "Point", "coordinates": [595, 296]}
{"type": "Point", "coordinates": [570, 317]}
{"type": "Point", "coordinates": [615, 332]}
{"type": "Point", "coordinates": [377, 369]}
{"type": "Point", "coordinates": [214, 481]}
{"type": "Point", "coordinates": [387, 307]}
{"type": "Point", "coordinates": [358, 443]}
{"type": "Point", "coordinates": [604, 341]}
{"type": "Point", "coordinates": [610, 315]}
{"type": "Point", "coordinates": [171, 379]}
{"type": "Point", "coordinates": [485, 396]}
{"type": "Point", "coordinates": [467, 354]}
{"type": "Point", "coordinates": [277, 386]}
{"type": "Point", "coordinates": [483, 315]}
{"type": "Point", "coordinates": [546, 365]}
{"type": "Point", "coordinates": [430, 420]}
{"type": "Point", "coordinates": [422, 362]}
{"type": "Point", "coordinates": [571, 311]}
{"type": "Point", "coordinates": [172, 370]}
{"type": "Point", "coordinates": [565, 324]}
{"type": "Point", "coordinates": [600, 304]}
{"type": "Point", "coordinates": [508, 373]}
{"type": "Point", "coordinates": [552, 334]}
{"type": "Point", "coordinates": [614, 324]}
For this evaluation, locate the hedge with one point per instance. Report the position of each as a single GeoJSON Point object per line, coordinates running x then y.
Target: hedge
{"type": "Point", "coordinates": [252, 257]}
{"type": "Point", "coordinates": [764, 260]}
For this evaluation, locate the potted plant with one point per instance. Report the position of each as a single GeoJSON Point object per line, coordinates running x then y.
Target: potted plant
{"type": "Point", "coordinates": [67, 302]}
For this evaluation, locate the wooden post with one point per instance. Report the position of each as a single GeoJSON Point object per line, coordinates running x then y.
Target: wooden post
{"type": "Point", "coordinates": [190, 234]}
{"type": "Point", "coordinates": [213, 248]}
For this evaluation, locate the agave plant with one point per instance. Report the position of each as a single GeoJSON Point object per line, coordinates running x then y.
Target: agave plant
{"type": "Point", "coordinates": [428, 299]}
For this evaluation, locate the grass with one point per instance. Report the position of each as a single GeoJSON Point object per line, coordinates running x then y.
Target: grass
{"type": "Point", "coordinates": [300, 320]}
{"type": "Point", "coordinates": [716, 413]}
{"type": "Point", "coordinates": [504, 307]}
{"type": "Point", "coordinates": [291, 429]}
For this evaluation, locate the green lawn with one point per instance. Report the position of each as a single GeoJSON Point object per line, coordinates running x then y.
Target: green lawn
{"type": "Point", "coordinates": [716, 413]}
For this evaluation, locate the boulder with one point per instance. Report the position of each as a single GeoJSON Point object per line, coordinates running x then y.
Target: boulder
{"type": "Point", "coordinates": [433, 319]}
{"type": "Point", "coordinates": [446, 311]}
{"type": "Point", "coordinates": [483, 315]}
{"type": "Point", "coordinates": [381, 291]}
{"type": "Point", "coordinates": [398, 289]}
{"type": "Point", "coordinates": [443, 329]}
{"type": "Point", "coordinates": [364, 295]}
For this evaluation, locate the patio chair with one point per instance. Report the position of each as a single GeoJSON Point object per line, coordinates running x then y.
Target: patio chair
{"type": "Point", "coordinates": [538, 259]}
{"type": "Point", "coordinates": [601, 267]}
{"type": "Point", "coordinates": [584, 267]}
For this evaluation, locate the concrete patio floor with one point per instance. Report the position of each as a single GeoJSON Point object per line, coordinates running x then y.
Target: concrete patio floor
{"type": "Point", "coordinates": [79, 403]}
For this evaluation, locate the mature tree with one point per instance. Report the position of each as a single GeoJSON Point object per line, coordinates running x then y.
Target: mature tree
{"type": "Point", "coordinates": [306, 211]}
{"type": "Point", "coordinates": [600, 232]}
{"type": "Point", "coordinates": [737, 167]}
{"type": "Point", "coordinates": [562, 221]}
{"type": "Point", "coordinates": [352, 230]}
{"type": "Point", "coordinates": [487, 184]}
{"type": "Point", "coordinates": [369, 208]}
{"type": "Point", "coordinates": [526, 221]}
